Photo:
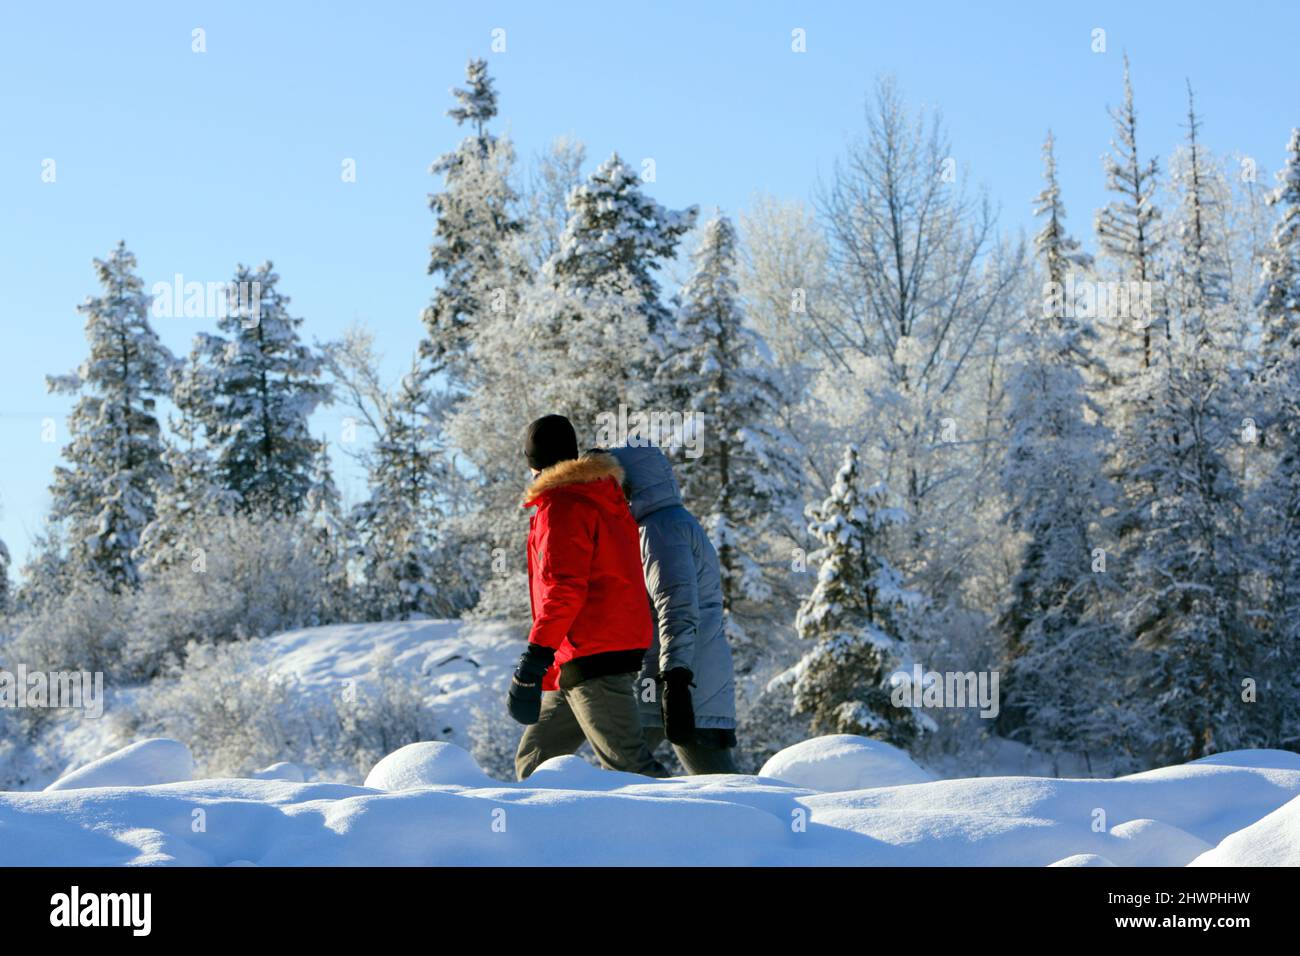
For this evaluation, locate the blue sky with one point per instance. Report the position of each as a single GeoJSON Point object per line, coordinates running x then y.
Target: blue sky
{"type": "Point", "coordinates": [203, 160]}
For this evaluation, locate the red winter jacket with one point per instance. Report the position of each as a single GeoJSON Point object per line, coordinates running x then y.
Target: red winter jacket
{"type": "Point", "coordinates": [585, 582]}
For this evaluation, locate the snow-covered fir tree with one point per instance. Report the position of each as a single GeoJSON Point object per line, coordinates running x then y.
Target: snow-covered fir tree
{"type": "Point", "coordinates": [744, 485]}
{"type": "Point", "coordinates": [114, 460]}
{"type": "Point", "coordinates": [330, 532]}
{"type": "Point", "coordinates": [855, 617]}
{"type": "Point", "coordinates": [4, 579]}
{"type": "Point", "coordinates": [1200, 271]}
{"type": "Point", "coordinates": [615, 240]}
{"type": "Point", "coordinates": [1276, 502]}
{"type": "Point", "coordinates": [1129, 237]}
{"type": "Point", "coordinates": [263, 383]}
{"type": "Point", "coordinates": [474, 250]}
{"type": "Point", "coordinates": [405, 572]}
{"type": "Point", "coordinates": [1058, 251]}
{"type": "Point", "coordinates": [1278, 300]}
{"type": "Point", "coordinates": [1059, 644]}
{"type": "Point", "coordinates": [1182, 517]}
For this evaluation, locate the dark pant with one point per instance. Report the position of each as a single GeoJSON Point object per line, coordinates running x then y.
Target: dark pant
{"type": "Point", "coordinates": [601, 710]}
{"type": "Point", "coordinates": [699, 756]}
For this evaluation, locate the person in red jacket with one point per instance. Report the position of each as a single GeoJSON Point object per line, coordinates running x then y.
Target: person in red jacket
{"type": "Point", "coordinates": [591, 615]}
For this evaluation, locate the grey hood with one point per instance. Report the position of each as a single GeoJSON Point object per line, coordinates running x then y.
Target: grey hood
{"type": "Point", "coordinates": [684, 582]}
{"type": "Point", "coordinates": [647, 480]}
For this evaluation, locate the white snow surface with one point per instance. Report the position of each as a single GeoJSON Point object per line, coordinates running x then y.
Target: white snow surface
{"type": "Point", "coordinates": [429, 804]}
{"type": "Point", "coordinates": [156, 760]}
{"type": "Point", "coordinates": [839, 800]}
{"type": "Point", "coordinates": [844, 762]}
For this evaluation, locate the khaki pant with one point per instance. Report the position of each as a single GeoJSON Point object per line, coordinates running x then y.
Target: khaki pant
{"type": "Point", "coordinates": [601, 710]}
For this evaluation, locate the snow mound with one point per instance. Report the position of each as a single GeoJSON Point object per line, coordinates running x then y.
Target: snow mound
{"type": "Point", "coordinates": [1083, 859]}
{"type": "Point", "coordinates": [842, 762]}
{"type": "Point", "coordinates": [1257, 759]}
{"type": "Point", "coordinates": [146, 762]}
{"type": "Point", "coordinates": [1153, 843]}
{"type": "Point", "coordinates": [1272, 841]}
{"type": "Point", "coordinates": [430, 763]}
{"type": "Point", "coordinates": [284, 770]}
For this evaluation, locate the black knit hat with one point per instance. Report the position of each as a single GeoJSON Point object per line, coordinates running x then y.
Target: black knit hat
{"type": "Point", "coordinates": [550, 439]}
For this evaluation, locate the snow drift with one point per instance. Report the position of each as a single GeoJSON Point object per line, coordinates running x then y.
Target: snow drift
{"type": "Point", "coordinates": [430, 804]}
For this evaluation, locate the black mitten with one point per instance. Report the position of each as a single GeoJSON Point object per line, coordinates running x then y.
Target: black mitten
{"type": "Point", "coordinates": [676, 705]}
{"type": "Point", "coordinates": [525, 698]}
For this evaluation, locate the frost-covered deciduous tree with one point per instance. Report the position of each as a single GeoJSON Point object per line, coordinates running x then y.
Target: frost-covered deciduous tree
{"type": "Point", "coordinates": [114, 461]}
{"type": "Point", "coordinates": [855, 617]}
{"type": "Point", "coordinates": [258, 386]}
{"type": "Point", "coordinates": [474, 240]}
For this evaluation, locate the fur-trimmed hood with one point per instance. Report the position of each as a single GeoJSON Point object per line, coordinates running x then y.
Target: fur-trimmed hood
{"type": "Point", "coordinates": [592, 466]}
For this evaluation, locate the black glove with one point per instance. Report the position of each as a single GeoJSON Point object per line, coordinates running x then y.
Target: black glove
{"type": "Point", "coordinates": [676, 706]}
{"type": "Point", "coordinates": [525, 697]}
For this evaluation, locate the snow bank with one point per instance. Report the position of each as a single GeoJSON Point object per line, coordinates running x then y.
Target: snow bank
{"type": "Point", "coordinates": [156, 760]}
{"type": "Point", "coordinates": [1272, 841]}
{"type": "Point", "coordinates": [427, 764]}
{"type": "Point", "coordinates": [843, 762]}
{"type": "Point", "coordinates": [435, 807]}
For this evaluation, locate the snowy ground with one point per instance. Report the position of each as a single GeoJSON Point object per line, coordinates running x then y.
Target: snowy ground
{"type": "Point", "coordinates": [829, 801]}
{"type": "Point", "coordinates": [429, 804]}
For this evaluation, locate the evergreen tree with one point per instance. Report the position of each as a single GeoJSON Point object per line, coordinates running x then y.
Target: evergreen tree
{"type": "Point", "coordinates": [106, 491]}
{"type": "Point", "coordinates": [398, 523]}
{"type": "Point", "coordinates": [1059, 252]}
{"type": "Point", "coordinates": [1127, 228]}
{"type": "Point", "coordinates": [1278, 300]}
{"type": "Point", "coordinates": [4, 579]}
{"type": "Point", "coordinates": [473, 250]}
{"type": "Point", "coordinates": [745, 483]}
{"type": "Point", "coordinates": [262, 385]}
{"type": "Point", "coordinates": [616, 239]}
{"type": "Point", "coordinates": [1058, 643]}
{"type": "Point", "coordinates": [330, 531]}
{"type": "Point", "coordinates": [1276, 503]}
{"type": "Point", "coordinates": [1200, 270]}
{"type": "Point", "coordinates": [855, 616]}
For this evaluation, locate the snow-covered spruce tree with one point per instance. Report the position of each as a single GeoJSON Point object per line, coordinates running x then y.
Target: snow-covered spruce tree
{"type": "Point", "coordinates": [616, 238]}
{"type": "Point", "coordinates": [4, 579]}
{"type": "Point", "coordinates": [1200, 269]}
{"type": "Point", "coordinates": [404, 570]}
{"type": "Point", "coordinates": [855, 617]}
{"type": "Point", "coordinates": [330, 533]}
{"type": "Point", "coordinates": [1278, 299]}
{"type": "Point", "coordinates": [474, 241]}
{"type": "Point", "coordinates": [1186, 557]}
{"type": "Point", "coordinates": [1276, 502]}
{"type": "Point", "coordinates": [577, 344]}
{"type": "Point", "coordinates": [744, 486]}
{"type": "Point", "coordinates": [1129, 236]}
{"type": "Point", "coordinates": [114, 461]}
{"type": "Point", "coordinates": [263, 385]}
{"type": "Point", "coordinates": [1060, 650]}
{"type": "Point", "coordinates": [188, 492]}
